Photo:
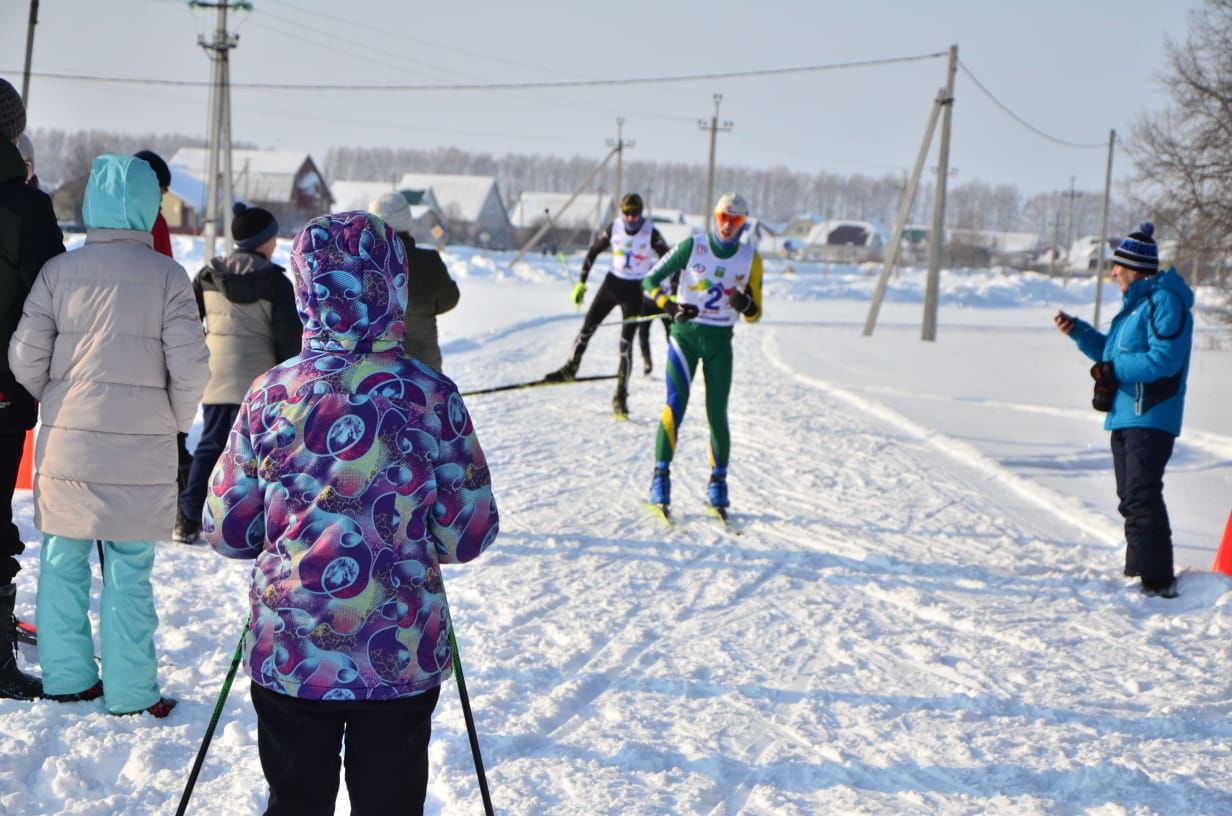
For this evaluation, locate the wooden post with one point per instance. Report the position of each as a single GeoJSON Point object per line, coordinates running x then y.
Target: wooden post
{"type": "Point", "coordinates": [904, 211]}
{"type": "Point", "coordinates": [936, 237]}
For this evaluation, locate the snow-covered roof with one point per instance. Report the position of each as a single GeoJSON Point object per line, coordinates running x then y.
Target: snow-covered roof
{"type": "Point", "coordinates": [285, 162]}
{"type": "Point", "coordinates": [459, 196]}
{"type": "Point", "coordinates": [357, 195]}
{"type": "Point", "coordinates": [259, 175]}
{"type": "Point", "coordinates": [587, 211]}
{"type": "Point", "coordinates": [188, 186]}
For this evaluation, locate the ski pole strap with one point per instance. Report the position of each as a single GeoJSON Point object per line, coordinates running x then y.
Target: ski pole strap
{"type": "Point", "coordinates": [209, 730]}
{"type": "Point", "coordinates": [536, 384]}
{"type": "Point", "coordinates": [471, 733]}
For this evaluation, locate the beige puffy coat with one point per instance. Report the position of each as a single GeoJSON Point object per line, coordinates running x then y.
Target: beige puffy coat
{"type": "Point", "coordinates": [111, 343]}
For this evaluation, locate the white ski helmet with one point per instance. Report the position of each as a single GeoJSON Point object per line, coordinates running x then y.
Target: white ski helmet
{"type": "Point", "coordinates": [732, 204]}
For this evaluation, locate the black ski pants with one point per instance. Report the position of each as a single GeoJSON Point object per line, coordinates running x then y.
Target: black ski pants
{"type": "Point", "coordinates": [11, 447]}
{"type": "Point", "coordinates": [215, 429]}
{"type": "Point", "coordinates": [386, 752]}
{"type": "Point", "coordinates": [1139, 456]}
{"type": "Point", "coordinates": [628, 295]}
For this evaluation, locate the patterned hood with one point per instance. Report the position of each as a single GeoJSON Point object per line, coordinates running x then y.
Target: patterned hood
{"type": "Point", "coordinates": [349, 272]}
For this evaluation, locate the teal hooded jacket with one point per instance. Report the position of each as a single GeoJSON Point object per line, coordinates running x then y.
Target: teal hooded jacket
{"type": "Point", "coordinates": [122, 193]}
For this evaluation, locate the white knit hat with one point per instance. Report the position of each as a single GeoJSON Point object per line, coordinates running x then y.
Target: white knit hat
{"type": "Point", "coordinates": [393, 210]}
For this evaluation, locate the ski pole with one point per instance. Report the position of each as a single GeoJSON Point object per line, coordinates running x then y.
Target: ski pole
{"type": "Point", "coordinates": [537, 384]}
{"type": "Point", "coordinates": [470, 720]}
{"type": "Point", "coordinates": [209, 730]}
{"type": "Point", "coordinates": [642, 319]}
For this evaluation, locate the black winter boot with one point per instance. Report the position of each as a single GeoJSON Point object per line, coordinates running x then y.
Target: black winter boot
{"type": "Point", "coordinates": [14, 683]}
{"type": "Point", "coordinates": [565, 373]}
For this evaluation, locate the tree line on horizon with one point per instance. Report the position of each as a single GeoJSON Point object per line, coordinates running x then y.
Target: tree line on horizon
{"type": "Point", "coordinates": [777, 194]}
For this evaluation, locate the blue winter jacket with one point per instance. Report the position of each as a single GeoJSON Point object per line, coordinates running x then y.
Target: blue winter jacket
{"type": "Point", "coordinates": [1148, 344]}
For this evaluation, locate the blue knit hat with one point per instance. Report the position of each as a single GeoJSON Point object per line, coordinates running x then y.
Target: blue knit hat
{"type": "Point", "coordinates": [1138, 251]}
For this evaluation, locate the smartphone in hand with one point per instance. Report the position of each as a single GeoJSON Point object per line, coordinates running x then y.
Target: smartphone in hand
{"type": "Point", "coordinates": [1065, 322]}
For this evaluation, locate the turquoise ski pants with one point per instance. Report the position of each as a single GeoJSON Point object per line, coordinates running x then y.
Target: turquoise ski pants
{"type": "Point", "coordinates": [126, 616]}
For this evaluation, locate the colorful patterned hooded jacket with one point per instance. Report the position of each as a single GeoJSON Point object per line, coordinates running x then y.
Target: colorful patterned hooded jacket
{"type": "Point", "coordinates": [351, 475]}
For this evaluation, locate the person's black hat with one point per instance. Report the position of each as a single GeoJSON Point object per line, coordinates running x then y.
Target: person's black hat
{"type": "Point", "coordinates": [252, 226]}
{"type": "Point", "coordinates": [161, 170]}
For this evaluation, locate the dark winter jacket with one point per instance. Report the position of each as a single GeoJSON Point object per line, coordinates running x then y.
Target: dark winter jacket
{"type": "Point", "coordinates": [1148, 344]}
{"type": "Point", "coordinates": [351, 474]}
{"type": "Point", "coordinates": [29, 237]}
{"type": "Point", "coordinates": [430, 292]}
{"type": "Point", "coordinates": [250, 322]}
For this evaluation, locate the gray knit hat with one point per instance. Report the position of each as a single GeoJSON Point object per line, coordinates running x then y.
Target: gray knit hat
{"type": "Point", "coordinates": [393, 210]}
{"type": "Point", "coordinates": [12, 112]}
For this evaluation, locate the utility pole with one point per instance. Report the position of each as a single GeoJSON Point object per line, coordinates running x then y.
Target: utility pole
{"type": "Point", "coordinates": [25, 77]}
{"type": "Point", "coordinates": [904, 210]}
{"type": "Point", "coordinates": [1056, 238]}
{"type": "Point", "coordinates": [936, 237]}
{"type": "Point", "coordinates": [218, 50]}
{"type": "Point", "coordinates": [620, 144]}
{"type": "Point", "coordinates": [714, 127]}
{"type": "Point", "coordinates": [1069, 231]}
{"type": "Point", "coordinates": [547, 225]}
{"type": "Point", "coordinates": [1103, 230]}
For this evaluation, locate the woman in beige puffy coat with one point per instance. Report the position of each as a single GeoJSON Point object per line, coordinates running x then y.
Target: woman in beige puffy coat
{"type": "Point", "coordinates": [110, 343]}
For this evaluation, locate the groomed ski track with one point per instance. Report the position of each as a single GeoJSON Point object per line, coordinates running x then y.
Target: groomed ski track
{"type": "Point", "coordinates": [904, 627]}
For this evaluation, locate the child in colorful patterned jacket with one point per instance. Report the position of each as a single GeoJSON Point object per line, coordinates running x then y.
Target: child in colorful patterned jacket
{"type": "Point", "coordinates": [351, 474]}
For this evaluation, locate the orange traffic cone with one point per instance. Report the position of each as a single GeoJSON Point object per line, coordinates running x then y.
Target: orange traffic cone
{"type": "Point", "coordinates": [25, 471]}
{"type": "Point", "coordinates": [1223, 558]}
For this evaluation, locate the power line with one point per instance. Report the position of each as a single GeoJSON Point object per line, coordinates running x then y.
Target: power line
{"type": "Point", "coordinates": [497, 86]}
{"type": "Point", "coordinates": [1020, 120]}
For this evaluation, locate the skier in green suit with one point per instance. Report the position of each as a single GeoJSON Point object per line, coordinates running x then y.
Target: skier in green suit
{"type": "Point", "coordinates": [719, 282]}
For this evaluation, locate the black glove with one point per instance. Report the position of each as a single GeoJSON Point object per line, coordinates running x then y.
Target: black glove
{"type": "Point", "coordinates": [680, 312]}
{"type": "Point", "coordinates": [741, 302]}
{"type": "Point", "coordinates": [1105, 386]}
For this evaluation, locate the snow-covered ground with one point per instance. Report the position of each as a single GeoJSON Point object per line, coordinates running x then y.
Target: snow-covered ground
{"type": "Point", "coordinates": [924, 613]}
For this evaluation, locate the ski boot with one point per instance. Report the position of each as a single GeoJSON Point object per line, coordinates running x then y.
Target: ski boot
{"type": "Point", "coordinates": [716, 491]}
{"type": "Point", "coordinates": [565, 373]}
{"type": "Point", "coordinates": [14, 683]}
{"type": "Point", "coordinates": [186, 531]}
{"type": "Point", "coordinates": [661, 485]}
{"type": "Point", "coordinates": [620, 404]}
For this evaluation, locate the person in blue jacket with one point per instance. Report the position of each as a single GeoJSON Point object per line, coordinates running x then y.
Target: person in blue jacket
{"type": "Point", "coordinates": [1140, 370]}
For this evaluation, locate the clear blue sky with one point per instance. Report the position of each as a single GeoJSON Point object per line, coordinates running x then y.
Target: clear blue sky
{"type": "Point", "coordinates": [1074, 69]}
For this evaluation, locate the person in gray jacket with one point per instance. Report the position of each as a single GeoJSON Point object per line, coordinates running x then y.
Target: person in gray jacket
{"type": "Point", "coordinates": [430, 290]}
{"type": "Point", "coordinates": [251, 325]}
{"type": "Point", "coordinates": [110, 345]}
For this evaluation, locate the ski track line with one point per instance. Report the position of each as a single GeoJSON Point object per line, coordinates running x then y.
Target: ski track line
{"type": "Point", "coordinates": [1063, 507]}
{"type": "Point", "coordinates": [1214, 444]}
